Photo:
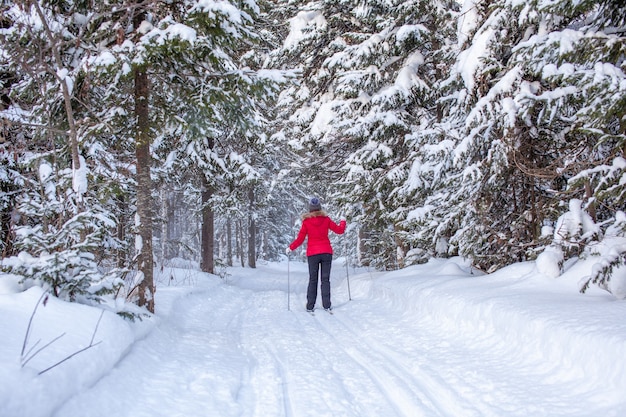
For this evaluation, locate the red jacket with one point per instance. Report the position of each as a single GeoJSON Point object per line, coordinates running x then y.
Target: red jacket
{"type": "Point", "coordinates": [316, 225]}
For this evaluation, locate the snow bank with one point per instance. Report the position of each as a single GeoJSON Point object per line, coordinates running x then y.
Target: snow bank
{"type": "Point", "coordinates": [23, 392]}
{"type": "Point", "coordinates": [521, 312]}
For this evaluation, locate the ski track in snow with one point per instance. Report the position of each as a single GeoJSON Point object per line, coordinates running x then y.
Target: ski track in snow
{"type": "Point", "coordinates": [236, 351]}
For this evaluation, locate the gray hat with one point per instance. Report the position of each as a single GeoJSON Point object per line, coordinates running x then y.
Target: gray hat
{"type": "Point", "coordinates": [315, 204]}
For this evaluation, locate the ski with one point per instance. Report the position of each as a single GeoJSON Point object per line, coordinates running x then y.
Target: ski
{"type": "Point", "coordinates": [328, 310]}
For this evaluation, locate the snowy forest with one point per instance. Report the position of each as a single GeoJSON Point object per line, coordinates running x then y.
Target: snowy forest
{"type": "Point", "coordinates": [137, 132]}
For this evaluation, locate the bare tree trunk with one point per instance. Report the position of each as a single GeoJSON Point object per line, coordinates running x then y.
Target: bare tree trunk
{"type": "Point", "coordinates": [240, 243]}
{"type": "Point", "coordinates": [400, 248]}
{"type": "Point", "coordinates": [251, 232]}
{"type": "Point", "coordinates": [121, 232]}
{"type": "Point", "coordinates": [535, 225]}
{"type": "Point", "coordinates": [208, 229]}
{"type": "Point", "coordinates": [144, 191]}
{"type": "Point", "coordinates": [164, 222]}
{"type": "Point", "coordinates": [67, 97]}
{"type": "Point", "coordinates": [229, 243]}
{"type": "Point", "coordinates": [588, 195]}
{"type": "Point", "coordinates": [264, 245]}
{"type": "Point", "coordinates": [361, 249]}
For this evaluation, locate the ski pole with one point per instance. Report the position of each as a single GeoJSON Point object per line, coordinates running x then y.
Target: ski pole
{"type": "Point", "coordinates": [288, 286]}
{"type": "Point", "coordinates": [347, 275]}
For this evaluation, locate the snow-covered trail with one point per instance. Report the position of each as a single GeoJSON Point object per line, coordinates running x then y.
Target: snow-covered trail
{"type": "Point", "coordinates": [233, 349]}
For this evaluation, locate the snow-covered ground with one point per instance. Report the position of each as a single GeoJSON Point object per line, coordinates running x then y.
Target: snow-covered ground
{"type": "Point", "coordinates": [429, 340]}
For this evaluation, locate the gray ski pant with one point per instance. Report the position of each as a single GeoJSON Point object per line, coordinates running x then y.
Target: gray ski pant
{"type": "Point", "coordinates": [319, 265]}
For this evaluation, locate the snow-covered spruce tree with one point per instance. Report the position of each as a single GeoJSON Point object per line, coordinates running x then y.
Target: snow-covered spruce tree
{"type": "Point", "coordinates": [477, 198]}
{"type": "Point", "coordinates": [586, 70]}
{"type": "Point", "coordinates": [10, 183]}
{"type": "Point", "coordinates": [221, 137]}
{"type": "Point", "coordinates": [64, 231]}
{"type": "Point", "coordinates": [288, 191]}
{"type": "Point", "coordinates": [62, 255]}
{"type": "Point", "coordinates": [581, 79]}
{"type": "Point", "coordinates": [368, 72]}
{"type": "Point", "coordinates": [10, 149]}
{"type": "Point", "coordinates": [427, 140]}
{"type": "Point", "coordinates": [299, 40]}
{"type": "Point", "coordinates": [180, 63]}
{"type": "Point", "coordinates": [609, 272]}
{"type": "Point", "coordinates": [517, 136]}
{"type": "Point", "coordinates": [150, 51]}
{"type": "Point", "coordinates": [9, 153]}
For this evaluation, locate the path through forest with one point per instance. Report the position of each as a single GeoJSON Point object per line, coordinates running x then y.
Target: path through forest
{"type": "Point", "coordinates": [233, 349]}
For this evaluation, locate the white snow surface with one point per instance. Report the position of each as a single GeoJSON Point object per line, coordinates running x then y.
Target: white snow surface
{"type": "Point", "coordinates": [429, 340]}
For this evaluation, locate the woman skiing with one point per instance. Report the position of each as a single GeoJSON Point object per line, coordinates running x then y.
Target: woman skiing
{"type": "Point", "coordinates": [315, 225]}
